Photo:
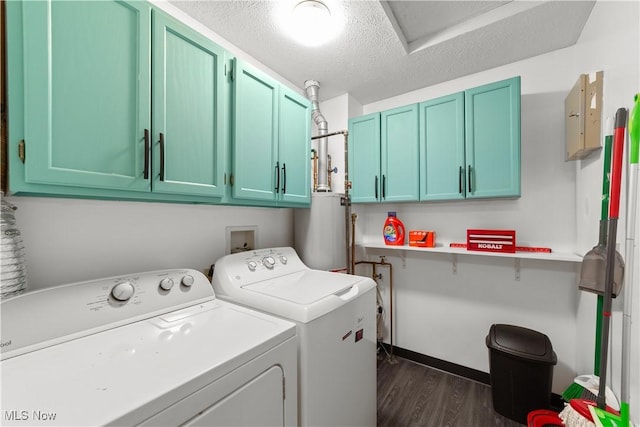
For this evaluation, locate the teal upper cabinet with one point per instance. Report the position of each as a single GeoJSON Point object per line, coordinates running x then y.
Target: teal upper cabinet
{"type": "Point", "coordinates": [442, 162]}
{"type": "Point", "coordinates": [364, 158]}
{"type": "Point", "coordinates": [255, 134]}
{"type": "Point", "coordinates": [294, 147]}
{"type": "Point", "coordinates": [83, 78]}
{"type": "Point", "coordinates": [85, 109]}
{"type": "Point", "coordinates": [470, 143]}
{"type": "Point", "coordinates": [188, 110]}
{"type": "Point", "coordinates": [492, 148]}
{"type": "Point", "coordinates": [383, 156]}
{"type": "Point", "coordinates": [399, 154]}
{"type": "Point", "coordinates": [271, 140]}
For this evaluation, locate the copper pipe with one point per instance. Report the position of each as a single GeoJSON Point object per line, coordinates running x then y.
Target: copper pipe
{"type": "Point", "coordinates": [330, 171]}
{"type": "Point", "coordinates": [385, 263]}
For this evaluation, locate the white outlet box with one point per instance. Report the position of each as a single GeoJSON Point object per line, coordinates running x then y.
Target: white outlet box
{"type": "Point", "coordinates": [241, 238]}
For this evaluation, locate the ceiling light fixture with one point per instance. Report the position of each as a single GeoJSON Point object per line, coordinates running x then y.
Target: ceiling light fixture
{"type": "Point", "coordinates": [311, 23]}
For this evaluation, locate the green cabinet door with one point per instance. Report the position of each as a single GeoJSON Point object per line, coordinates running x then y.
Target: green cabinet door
{"type": "Point", "coordinates": [442, 161]}
{"type": "Point", "coordinates": [255, 120]}
{"type": "Point", "coordinates": [492, 126]}
{"type": "Point", "coordinates": [294, 148]}
{"type": "Point", "coordinates": [399, 159]}
{"type": "Point", "coordinates": [78, 132]}
{"type": "Point", "coordinates": [364, 158]}
{"type": "Point", "coordinates": [188, 110]}
{"type": "Point", "coordinates": [271, 141]}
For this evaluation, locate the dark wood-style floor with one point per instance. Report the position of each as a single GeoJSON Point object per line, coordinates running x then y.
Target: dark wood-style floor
{"type": "Point", "coordinates": [410, 394]}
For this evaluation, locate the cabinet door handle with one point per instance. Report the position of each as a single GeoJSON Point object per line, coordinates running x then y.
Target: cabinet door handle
{"type": "Point", "coordinates": [284, 178]}
{"type": "Point", "coordinates": [384, 185]}
{"type": "Point", "coordinates": [161, 156]}
{"type": "Point", "coordinates": [277, 172]}
{"type": "Point", "coordinates": [470, 189]}
{"type": "Point", "coordinates": [460, 179]}
{"type": "Point", "coordinates": [375, 187]}
{"type": "Point", "coordinates": [145, 172]}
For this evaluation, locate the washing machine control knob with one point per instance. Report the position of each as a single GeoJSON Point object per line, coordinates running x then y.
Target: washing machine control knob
{"type": "Point", "coordinates": [166, 283]}
{"type": "Point", "coordinates": [283, 259]}
{"type": "Point", "coordinates": [188, 280]}
{"type": "Point", "coordinates": [122, 291]}
{"type": "Point", "coordinates": [252, 265]}
{"type": "Point", "coordinates": [269, 262]}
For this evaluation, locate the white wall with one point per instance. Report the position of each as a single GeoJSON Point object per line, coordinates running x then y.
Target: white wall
{"type": "Point", "coordinates": [69, 240]}
{"type": "Point", "coordinates": [447, 315]}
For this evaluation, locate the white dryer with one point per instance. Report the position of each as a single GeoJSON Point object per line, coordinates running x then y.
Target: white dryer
{"type": "Point", "coordinates": [153, 348]}
{"type": "Point", "coordinates": [335, 317]}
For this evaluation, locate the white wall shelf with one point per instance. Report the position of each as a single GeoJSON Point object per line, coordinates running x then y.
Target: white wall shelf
{"type": "Point", "coordinates": [444, 248]}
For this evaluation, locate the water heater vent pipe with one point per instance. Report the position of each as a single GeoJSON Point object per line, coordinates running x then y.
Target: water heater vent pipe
{"type": "Point", "coordinates": [312, 87]}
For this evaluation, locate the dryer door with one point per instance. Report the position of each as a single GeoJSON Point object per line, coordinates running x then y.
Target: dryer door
{"type": "Point", "coordinates": [259, 402]}
{"type": "Point", "coordinates": [231, 401]}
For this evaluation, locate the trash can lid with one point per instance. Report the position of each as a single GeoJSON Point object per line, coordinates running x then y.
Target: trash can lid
{"type": "Point", "coordinates": [522, 343]}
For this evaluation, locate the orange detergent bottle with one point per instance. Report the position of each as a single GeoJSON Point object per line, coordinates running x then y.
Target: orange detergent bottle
{"type": "Point", "coordinates": [393, 231]}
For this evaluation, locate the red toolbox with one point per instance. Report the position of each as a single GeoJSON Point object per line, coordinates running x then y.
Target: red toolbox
{"type": "Point", "coordinates": [491, 240]}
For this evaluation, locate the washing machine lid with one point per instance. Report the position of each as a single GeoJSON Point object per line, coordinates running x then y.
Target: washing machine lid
{"type": "Point", "coordinates": [303, 296]}
{"type": "Point", "coordinates": [306, 287]}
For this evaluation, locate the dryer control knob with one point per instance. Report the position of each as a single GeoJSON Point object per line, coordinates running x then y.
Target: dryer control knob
{"type": "Point", "coordinates": [283, 259]}
{"type": "Point", "coordinates": [122, 291]}
{"type": "Point", "coordinates": [166, 283]}
{"type": "Point", "coordinates": [269, 262]}
{"type": "Point", "coordinates": [188, 280]}
{"type": "Point", "coordinates": [252, 265]}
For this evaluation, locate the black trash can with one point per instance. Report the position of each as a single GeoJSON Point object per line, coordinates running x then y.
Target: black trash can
{"type": "Point", "coordinates": [521, 368]}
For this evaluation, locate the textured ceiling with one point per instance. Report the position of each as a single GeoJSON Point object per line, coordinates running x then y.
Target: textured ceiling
{"type": "Point", "coordinates": [392, 47]}
{"type": "Point", "coordinates": [417, 22]}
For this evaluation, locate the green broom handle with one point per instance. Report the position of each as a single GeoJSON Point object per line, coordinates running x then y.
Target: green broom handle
{"type": "Point", "coordinates": [604, 211]}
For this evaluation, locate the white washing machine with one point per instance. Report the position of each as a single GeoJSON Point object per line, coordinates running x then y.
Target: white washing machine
{"type": "Point", "coordinates": [335, 317]}
{"type": "Point", "coordinates": [153, 348]}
